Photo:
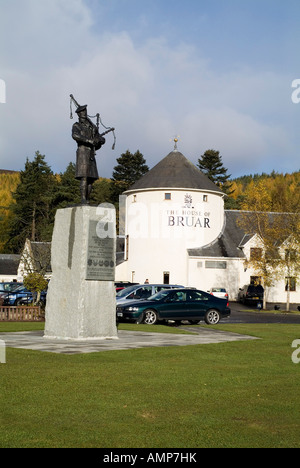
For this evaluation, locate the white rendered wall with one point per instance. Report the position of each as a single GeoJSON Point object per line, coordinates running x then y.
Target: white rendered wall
{"type": "Point", "coordinates": [160, 231]}
{"type": "Point", "coordinates": [201, 277]}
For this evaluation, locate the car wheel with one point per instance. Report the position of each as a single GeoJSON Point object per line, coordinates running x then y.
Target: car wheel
{"type": "Point", "coordinates": [150, 317]}
{"type": "Point", "coordinates": [19, 302]}
{"type": "Point", "coordinates": [212, 317]}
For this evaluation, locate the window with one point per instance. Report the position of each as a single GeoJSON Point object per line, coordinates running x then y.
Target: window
{"type": "Point", "coordinates": [197, 296]}
{"type": "Point", "coordinates": [205, 198]}
{"type": "Point", "coordinates": [290, 255]}
{"type": "Point", "coordinates": [178, 297]}
{"type": "Point", "coordinates": [141, 293]}
{"type": "Point", "coordinates": [167, 196]}
{"type": "Point", "coordinates": [216, 264]}
{"type": "Point", "coordinates": [290, 284]}
{"type": "Point", "coordinates": [255, 254]}
{"type": "Point", "coordinates": [272, 254]}
{"type": "Point", "coordinates": [255, 280]}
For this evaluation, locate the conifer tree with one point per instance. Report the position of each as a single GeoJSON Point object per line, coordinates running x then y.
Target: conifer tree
{"type": "Point", "coordinates": [210, 163]}
{"type": "Point", "coordinates": [101, 192]}
{"type": "Point", "coordinates": [68, 188]}
{"type": "Point", "coordinates": [130, 168]}
{"type": "Point", "coordinates": [32, 210]}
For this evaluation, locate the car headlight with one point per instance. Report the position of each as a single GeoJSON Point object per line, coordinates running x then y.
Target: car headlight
{"type": "Point", "coordinates": [132, 309]}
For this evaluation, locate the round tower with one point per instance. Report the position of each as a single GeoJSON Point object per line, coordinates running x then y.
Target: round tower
{"type": "Point", "coordinates": [172, 208]}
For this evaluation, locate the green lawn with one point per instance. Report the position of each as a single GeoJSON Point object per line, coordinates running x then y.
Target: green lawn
{"type": "Point", "coordinates": [238, 394]}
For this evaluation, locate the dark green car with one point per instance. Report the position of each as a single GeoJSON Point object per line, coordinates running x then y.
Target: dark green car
{"type": "Point", "coordinates": [176, 304]}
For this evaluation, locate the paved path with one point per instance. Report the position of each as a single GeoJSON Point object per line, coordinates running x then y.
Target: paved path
{"type": "Point", "coordinates": [126, 340]}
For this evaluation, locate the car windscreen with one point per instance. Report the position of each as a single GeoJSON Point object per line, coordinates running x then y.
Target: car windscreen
{"type": "Point", "coordinates": [19, 289]}
{"type": "Point", "coordinates": [126, 291]}
{"type": "Point", "coordinates": [7, 287]}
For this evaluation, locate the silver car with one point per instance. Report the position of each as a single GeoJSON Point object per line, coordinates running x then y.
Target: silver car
{"type": "Point", "coordinates": [219, 292]}
{"type": "Point", "coordinates": [142, 291]}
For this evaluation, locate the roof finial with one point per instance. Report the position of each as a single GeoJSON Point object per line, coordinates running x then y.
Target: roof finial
{"type": "Point", "coordinates": [175, 139]}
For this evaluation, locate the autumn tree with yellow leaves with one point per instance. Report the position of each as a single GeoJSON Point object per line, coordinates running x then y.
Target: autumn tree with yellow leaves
{"type": "Point", "coordinates": [277, 234]}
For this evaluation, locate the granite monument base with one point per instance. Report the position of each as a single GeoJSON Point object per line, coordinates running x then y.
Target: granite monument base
{"type": "Point", "coordinates": [81, 303]}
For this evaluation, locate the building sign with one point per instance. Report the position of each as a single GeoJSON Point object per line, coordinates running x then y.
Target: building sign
{"type": "Point", "coordinates": [100, 256]}
{"type": "Point", "coordinates": [188, 215]}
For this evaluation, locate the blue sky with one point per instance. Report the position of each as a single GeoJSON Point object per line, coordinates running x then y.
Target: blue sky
{"type": "Point", "coordinates": [218, 73]}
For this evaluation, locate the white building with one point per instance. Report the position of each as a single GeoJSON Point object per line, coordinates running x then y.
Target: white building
{"type": "Point", "coordinates": [177, 231]}
{"type": "Point", "coordinates": [35, 257]}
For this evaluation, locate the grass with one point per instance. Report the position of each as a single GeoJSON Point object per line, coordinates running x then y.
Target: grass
{"type": "Point", "coordinates": [273, 311]}
{"type": "Point", "coordinates": [237, 394]}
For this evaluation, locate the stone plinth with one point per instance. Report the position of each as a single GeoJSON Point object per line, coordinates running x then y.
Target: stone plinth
{"type": "Point", "coordinates": [81, 300]}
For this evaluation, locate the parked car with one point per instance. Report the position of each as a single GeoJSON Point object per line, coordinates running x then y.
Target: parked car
{"type": "Point", "coordinates": [22, 296]}
{"type": "Point", "coordinates": [142, 291]}
{"type": "Point", "coordinates": [251, 294]}
{"type": "Point", "coordinates": [119, 285]}
{"type": "Point", "coordinates": [219, 292]}
{"type": "Point", "coordinates": [9, 286]}
{"type": "Point", "coordinates": [176, 304]}
{"type": "Point", "coordinates": [6, 288]}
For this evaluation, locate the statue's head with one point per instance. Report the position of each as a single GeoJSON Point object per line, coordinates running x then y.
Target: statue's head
{"type": "Point", "coordinates": [82, 112]}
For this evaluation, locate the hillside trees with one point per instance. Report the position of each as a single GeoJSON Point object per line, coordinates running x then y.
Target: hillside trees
{"type": "Point", "coordinates": [9, 181]}
{"type": "Point", "coordinates": [284, 190]}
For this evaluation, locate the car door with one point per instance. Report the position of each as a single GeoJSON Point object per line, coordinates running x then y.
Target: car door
{"type": "Point", "coordinates": [197, 304]}
{"type": "Point", "coordinates": [174, 306]}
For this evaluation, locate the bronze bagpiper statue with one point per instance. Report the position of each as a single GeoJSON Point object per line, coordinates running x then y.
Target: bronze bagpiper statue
{"type": "Point", "coordinates": [89, 140]}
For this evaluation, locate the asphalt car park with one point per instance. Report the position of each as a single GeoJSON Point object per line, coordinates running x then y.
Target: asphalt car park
{"type": "Point", "coordinates": [241, 313]}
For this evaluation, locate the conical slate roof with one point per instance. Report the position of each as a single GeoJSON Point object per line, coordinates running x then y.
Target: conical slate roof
{"type": "Point", "coordinates": [175, 171]}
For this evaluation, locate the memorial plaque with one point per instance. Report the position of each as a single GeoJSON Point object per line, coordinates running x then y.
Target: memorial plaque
{"type": "Point", "coordinates": [101, 257]}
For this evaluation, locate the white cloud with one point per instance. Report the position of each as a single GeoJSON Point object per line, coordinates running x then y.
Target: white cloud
{"type": "Point", "coordinates": [149, 91]}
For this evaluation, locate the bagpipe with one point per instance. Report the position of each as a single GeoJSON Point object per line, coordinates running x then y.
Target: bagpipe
{"type": "Point", "coordinates": [95, 127]}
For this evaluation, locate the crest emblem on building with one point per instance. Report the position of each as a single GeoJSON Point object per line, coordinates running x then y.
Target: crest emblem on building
{"type": "Point", "coordinates": [188, 200]}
